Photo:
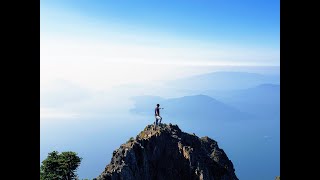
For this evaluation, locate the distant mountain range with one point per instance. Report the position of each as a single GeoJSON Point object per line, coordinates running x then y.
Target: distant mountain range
{"type": "Point", "coordinates": [218, 96]}
{"type": "Point", "coordinates": [223, 81]}
{"type": "Point", "coordinates": [262, 100]}
{"type": "Point", "coordinates": [202, 107]}
{"type": "Point", "coordinates": [259, 102]}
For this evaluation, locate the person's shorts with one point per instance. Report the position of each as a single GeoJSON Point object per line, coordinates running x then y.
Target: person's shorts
{"type": "Point", "coordinates": [158, 117]}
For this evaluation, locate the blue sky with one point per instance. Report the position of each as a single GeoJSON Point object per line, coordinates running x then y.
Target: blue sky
{"type": "Point", "coordinates": [247, 22]}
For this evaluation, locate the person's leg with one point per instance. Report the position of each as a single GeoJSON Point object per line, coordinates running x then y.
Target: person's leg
{"type": "Point", "coordinates": [155, 124]}
{"type": "Point", "coordinates": [157, 120]}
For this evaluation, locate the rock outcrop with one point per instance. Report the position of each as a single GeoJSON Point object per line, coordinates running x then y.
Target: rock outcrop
{"type": "Point", "coordinates": [168, 153]}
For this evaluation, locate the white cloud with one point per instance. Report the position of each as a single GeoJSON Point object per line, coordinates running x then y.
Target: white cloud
{"type": "Point", "coordinates": [99, 55]}
{"type": "Point", "coordinates": [102, 64]}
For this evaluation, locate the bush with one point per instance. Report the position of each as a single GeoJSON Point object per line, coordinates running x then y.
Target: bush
{"type": "Point", "coordinates": [60, 166]}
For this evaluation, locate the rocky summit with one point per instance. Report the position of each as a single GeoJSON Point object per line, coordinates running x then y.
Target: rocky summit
{"type": "Point", "coordinates": [166, 153]}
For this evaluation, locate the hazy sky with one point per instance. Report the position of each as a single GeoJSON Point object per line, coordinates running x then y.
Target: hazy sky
{"type": "Point", "coordinates": [100, 44]}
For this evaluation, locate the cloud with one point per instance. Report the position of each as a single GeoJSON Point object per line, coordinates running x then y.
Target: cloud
{"type": "Point", "coordinates": [99, 63]}
{"type": "Point", "coordinates": [100, 55]}
{"type": "Point", "coordinates": [67, 48]}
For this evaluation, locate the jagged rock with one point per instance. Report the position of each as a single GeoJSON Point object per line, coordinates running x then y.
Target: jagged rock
{"type": "Point", "coordinates": [167, 153]}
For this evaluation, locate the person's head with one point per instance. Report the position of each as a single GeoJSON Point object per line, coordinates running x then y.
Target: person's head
{"type": "Point", "coordinates": [158, 105]}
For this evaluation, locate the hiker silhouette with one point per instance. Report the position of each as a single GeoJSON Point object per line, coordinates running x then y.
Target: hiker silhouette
{"type": "Point", "coordinates": [157, 115]}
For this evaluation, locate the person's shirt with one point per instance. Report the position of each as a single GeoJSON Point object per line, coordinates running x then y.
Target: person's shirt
{"type": "Point", "coordinates": [156, 110]}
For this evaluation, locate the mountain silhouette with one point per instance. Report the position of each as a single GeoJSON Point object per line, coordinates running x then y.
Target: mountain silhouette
{"type": "Point", "coordinates": [223, 81]}
{"type": "Point", "coordinates": [263, 100]}
{"type": "Point", "coordinates": [201, 107]}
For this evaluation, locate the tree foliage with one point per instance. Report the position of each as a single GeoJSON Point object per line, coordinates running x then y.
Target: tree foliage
{"type": "Point", "coordinates": [60, 166]}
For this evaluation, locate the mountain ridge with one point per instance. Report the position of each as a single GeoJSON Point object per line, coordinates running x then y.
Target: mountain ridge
{"type": "Point", "coordinates": [202, 107]}
{"type": "Point", "coordinates": [223, 80]}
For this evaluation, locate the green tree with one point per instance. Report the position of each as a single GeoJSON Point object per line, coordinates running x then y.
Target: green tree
{"type": "Point", "coordinates": [60, 166]}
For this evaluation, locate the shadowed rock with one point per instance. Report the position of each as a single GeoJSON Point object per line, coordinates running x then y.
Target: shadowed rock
{"type": "Point", "coordinates": [168, 153]}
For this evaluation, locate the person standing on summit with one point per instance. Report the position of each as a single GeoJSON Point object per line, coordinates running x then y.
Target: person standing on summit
{"type": "Point", "coordinates": [157, 114]}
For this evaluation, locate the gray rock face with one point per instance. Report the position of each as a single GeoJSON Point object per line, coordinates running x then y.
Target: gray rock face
{"type": "Point", "coordinates": [168, 153]}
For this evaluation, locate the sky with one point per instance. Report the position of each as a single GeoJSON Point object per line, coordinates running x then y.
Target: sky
{"type": "Point", "coordinates": [100, 44]}
{"type": "Point", "coordinates": [94, 46]}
